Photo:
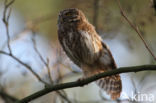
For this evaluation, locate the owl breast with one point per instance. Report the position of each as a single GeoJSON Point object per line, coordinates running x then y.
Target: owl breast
{"type": "Point", "coordinates": [80, 46]}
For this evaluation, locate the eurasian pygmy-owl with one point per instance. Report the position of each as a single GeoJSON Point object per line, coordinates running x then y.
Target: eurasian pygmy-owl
{"type": "Point", "coordinates": [86, 49]}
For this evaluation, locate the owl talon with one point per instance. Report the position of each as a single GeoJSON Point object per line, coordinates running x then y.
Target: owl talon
{"type": "Point", "coordinates": [81, 79]}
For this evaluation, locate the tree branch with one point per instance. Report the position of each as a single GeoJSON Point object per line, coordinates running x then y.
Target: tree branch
{"type": "Point", "coordinates": [6, 16]}
{"type": "Point", "coordinates": [154, 4]}
{"type": "Point", "coordinates": [46, 63]}
{"type": "Point", "coordinates": [136, 30]}
{"type": "Point", "coordinates": [7, 96]}
{"type": "Point", "coordinates": [33, 72]}
{"type": "Point", "coordinates": [25, 65]}
{"type": "Point", "coordinates": [86, 81]}
{"type": "Point", "coordinates": [95, 14]}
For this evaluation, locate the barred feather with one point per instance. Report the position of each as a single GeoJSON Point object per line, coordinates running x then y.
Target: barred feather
{"type": "Point", "coordinates": [112, 85]}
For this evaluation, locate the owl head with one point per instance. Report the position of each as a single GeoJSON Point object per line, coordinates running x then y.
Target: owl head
{"type": "Point", "coordinates": [70, 16]}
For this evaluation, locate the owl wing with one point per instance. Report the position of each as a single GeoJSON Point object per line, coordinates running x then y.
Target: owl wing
{"type": "Point", "coordinates": [93, 49]}
{"type": "Point", "coordinates": [106, 59]}
{"type": "Point", "coordinates": [111, 84]}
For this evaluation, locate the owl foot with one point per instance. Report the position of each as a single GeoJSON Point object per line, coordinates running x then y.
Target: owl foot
{"type": "Point", "coordinates": [81, 81]}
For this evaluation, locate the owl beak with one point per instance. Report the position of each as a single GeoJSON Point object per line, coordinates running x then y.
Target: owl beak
{"type": "Point", "coordinates": [74, 20]}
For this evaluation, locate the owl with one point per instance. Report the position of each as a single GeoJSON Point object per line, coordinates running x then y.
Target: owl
{"type": "Point", "coordinates": [86, 49]}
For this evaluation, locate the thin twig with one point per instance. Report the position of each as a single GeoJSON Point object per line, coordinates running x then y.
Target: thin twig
{"type": "Point", "coordinates": [6, 16]}
{"type": "Point", "coordinates": [154, 4]}
{"type": "Point", "coordinates": [60, 76]}
{"type": "Point", "coordinates": [136, 29]}
{"type": "Point", "coordinates": [5, 20]}
{"type": "Point", "coordinates": [63, 96]}
{"type": "Point", "coordinates": [34, 73]}
{"type": "Point", "coordinates": [24, 64]}
{"type": "Point", "coordinates": [95, 13]}
{"type": "Point", "coordinates": [42, 59]}
{"type": "Point", "coordinates": [7, 96]}
{"type": "Point", "coordinates": [48, 69]}
{"type": "Point", "coordinates": [83, 82]}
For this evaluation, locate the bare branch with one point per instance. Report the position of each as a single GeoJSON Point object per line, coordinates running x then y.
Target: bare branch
{"type": "Point", "coordinates": [49, 71]}
{"type": "Point", "coordinates": [63, 96]}
{"type": "Point", "coordinates": [25, 65]}
{"type": "Point", "coordinates": [42, 59]}
{"type": "Point", "coordinates": [6, 22]}
{"type": "Point", "coordinates": [81, 83]}
{"type": "Point", "coordinates": [34, 73]}
{"type": "Point", "coordinates": [46, 63]}
{"type": "Point", "coordinates": [154, 4]}
{"type": "Point", "coordinates": [95, 12]}
{"type": "Point", "coordinates": [136, 29]}
{"type": "Point", "coordinates": [6, 16]}
{"type": "Point", "coordinates": [7, 96]}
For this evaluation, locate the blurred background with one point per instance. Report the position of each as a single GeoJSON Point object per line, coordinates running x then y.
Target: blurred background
{"type": "Point", "coordinates": [33, 33]}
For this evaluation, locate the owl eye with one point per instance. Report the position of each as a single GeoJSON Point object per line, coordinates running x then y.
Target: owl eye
{"type": "Point", "coordinates": [68, 14]}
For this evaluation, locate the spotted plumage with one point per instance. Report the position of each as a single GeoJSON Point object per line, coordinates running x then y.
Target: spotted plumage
{"type": "Point", "coordinates": [86, 49]}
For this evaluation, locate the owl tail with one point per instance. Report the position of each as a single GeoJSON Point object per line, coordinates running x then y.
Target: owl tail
{"type": "Point", "coordinates": [112, 85]}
